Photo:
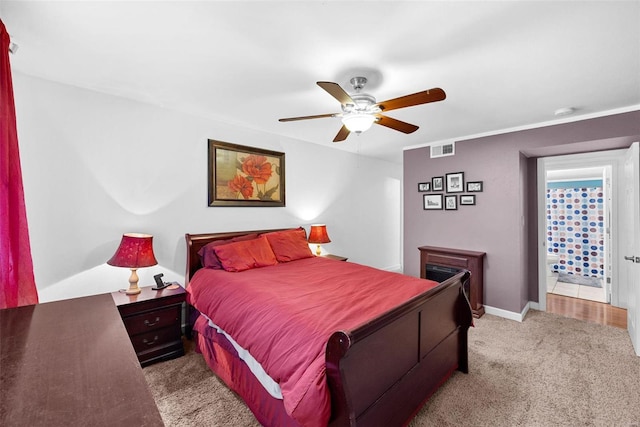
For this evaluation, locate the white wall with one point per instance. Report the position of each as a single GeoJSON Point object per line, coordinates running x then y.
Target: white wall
{"type": "Point", "coordinates": [96, 166]}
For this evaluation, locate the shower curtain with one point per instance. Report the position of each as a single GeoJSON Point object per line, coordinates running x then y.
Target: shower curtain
{"type": "Point", "coordinates": [575, 230]}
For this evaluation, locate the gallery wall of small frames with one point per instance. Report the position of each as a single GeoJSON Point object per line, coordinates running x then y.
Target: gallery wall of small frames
{"type": "Point", "coordinates": [448, 192]}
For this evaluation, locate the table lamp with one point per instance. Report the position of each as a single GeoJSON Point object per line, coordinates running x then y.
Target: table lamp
{"type": "Point", "coordinates": [318, 234]}
{"type": "Point", "coordinates": [135, 251]}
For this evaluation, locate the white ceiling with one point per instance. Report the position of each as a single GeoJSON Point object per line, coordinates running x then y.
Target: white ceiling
{"type": "Point", "coordinates": [503, 65]}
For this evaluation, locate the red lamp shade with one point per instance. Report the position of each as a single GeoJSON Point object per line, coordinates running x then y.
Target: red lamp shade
{"type": "Point", "coordinates": [135, 251]}
{"type": "Point", "coordinates": [318, 234]}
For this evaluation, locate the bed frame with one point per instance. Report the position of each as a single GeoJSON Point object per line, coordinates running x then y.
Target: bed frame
{"type": "Point", "coordinates": [381, 373]}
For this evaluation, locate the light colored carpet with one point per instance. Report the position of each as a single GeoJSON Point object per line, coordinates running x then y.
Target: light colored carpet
{"type": "Point", "coordinates": [546, 371]}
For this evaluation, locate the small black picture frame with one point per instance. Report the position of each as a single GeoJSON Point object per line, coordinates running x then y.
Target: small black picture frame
{"type": "Point", "coordinates": [467, 199]}
{"type": "Point", "coordinates": [474, 186]}
{"type": "Point", "coordinates": [437, 183]}
{"type": "Point", "coordinates": [432, 202]}
{"type": "Point", "coordinates": [450, 203]}
{"type": "Point", "coordinates": [455, 182]}
{"type": "Point", "coordinates": [424, 186]}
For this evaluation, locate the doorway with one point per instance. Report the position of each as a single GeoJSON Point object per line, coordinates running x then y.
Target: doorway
{"type": "Point", "coordinates": [600, 166]}
{"type": "Point", "coordinates": [577, 207]}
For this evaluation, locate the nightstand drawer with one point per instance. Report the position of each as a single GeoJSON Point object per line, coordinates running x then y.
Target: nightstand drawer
{"type": "Point", "coordinates": [153, 320]}
{"type": "Point", "coordinates": [158, 338]}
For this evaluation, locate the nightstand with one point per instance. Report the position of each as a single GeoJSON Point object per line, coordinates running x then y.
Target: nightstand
{"type": "Point", "coordinates": [153, 320]}
{"type": "Point", "coordinates": [336, 257]}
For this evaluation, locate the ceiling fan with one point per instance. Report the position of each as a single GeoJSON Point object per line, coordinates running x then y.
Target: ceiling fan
{"type": "Point", "coordinates": [360, 110]}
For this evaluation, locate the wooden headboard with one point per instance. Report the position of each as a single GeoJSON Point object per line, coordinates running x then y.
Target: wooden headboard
{"type": "Point", "coordinates": [196, 241]}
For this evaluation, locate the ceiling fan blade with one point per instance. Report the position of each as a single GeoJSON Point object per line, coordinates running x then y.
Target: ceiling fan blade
{"type": "Point", "coordinates": [319, 116]}
{"type": "Point", "coordinates": [343, 133]}
{"type": "Point", "coordinates": [337, 92]}
{"type": "Point", "coordinates": [395, 124]}
{"type": "Point", "coordinates": [424, 97]}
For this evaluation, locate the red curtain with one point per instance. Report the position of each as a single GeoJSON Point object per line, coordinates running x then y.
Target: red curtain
{"type": "Point", "coordinates": [17, 284]}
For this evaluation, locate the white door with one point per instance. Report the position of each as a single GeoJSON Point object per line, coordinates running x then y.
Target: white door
{"type": "Point", "coordinates": [630, 241]}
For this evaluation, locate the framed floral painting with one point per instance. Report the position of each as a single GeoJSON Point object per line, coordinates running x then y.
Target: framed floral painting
{"type": "Point", "coordinates": [245, 176]}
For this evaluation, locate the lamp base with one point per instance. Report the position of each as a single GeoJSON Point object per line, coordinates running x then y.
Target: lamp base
{"type": "Point", "coordinates": [318, 251]}
{"type": "Point", "coordinates": [133, 291]}
{"type": "Point", "coordinates": [133, 283]}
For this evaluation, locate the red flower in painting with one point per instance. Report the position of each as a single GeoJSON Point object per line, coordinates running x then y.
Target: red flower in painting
{"type": "Point", "coordinates": [241, 185]}
{"type": "Point", "coordinates": [257, 168]}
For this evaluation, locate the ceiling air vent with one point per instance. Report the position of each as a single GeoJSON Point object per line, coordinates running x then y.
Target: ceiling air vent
{"type": "Point", "coordinates": [442, 150]}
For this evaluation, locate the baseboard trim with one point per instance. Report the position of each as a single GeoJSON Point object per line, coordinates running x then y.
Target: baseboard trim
{"type": "Point", "coordinates": [511, 315]}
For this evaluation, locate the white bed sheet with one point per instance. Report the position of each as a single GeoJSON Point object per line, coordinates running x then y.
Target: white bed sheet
{"type": "Point", "coordinates": [269, 384]}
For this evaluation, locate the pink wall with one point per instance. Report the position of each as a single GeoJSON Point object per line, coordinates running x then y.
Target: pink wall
{"type": "Point", "coordinates": [503, 223]}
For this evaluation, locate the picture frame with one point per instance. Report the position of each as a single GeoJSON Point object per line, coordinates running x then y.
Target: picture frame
{"type": "Point", "coordinates": [437, 183]}
{"type": "Point", "coordinates": [474, 186]}
{"type": "Point", "coordinates": [432, 202]}
{"type": "Point", "coordinates": [239, 175]}
{"type": "Point", "coordinates": [455, 182]}
{"type": "Point", "coordinates": [424, 186]}
{"type": "Point", "coordinates": [467, 199]}
{"type": "Point", "coordinates": [451, 203]}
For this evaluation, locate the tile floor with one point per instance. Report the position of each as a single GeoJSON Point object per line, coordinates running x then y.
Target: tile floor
{"type": "Point", "coordinates": [576, 291]}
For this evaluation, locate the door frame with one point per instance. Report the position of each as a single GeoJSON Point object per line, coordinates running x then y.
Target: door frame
{"type": "Point", "coordinates": [611, 158]}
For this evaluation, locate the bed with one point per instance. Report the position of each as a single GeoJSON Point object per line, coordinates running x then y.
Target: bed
{"type": "Point", "coordinates": [325, 363]}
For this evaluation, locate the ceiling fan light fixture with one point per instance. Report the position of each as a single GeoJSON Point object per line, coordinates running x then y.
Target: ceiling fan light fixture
{"type": "Point", "coordinates": [360, 110]}
{"type": "Point", "coordinates": [358, 122]}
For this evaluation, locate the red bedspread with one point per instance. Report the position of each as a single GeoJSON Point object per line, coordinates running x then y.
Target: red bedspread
{"type": "Point", "coordinates": [284, 315]}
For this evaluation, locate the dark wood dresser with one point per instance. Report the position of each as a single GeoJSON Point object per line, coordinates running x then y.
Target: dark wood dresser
{"type": "Point", "coordinates": [153, 320]}
{"type": "Point", "coordinates": [70, 363]}
{"type": "Point", "coordinates": [458, 258]}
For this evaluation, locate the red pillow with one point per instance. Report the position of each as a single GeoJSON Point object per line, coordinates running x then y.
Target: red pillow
{"type": "Point", "coordinates": [208, 257]}
{"type": "Point", "coordinates": [289, 245]}
{"type": "Point", "coordinates": [246, 254]}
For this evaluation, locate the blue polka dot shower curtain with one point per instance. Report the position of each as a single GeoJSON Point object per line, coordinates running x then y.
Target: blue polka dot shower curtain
{"type": "Point", "coordinates": [575, 230]}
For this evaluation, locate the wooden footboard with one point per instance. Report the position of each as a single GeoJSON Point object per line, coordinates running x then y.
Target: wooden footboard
{"type": "Point", "coordinates": [381, 373]}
